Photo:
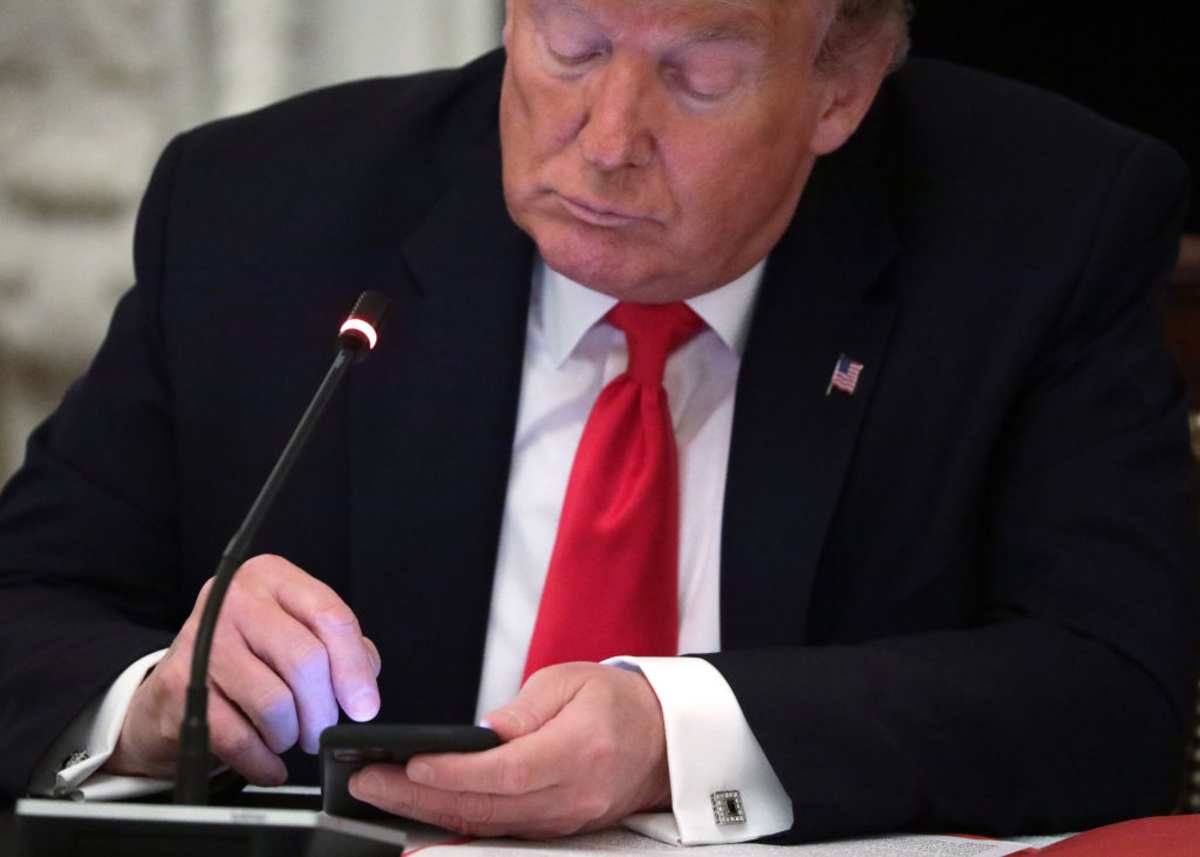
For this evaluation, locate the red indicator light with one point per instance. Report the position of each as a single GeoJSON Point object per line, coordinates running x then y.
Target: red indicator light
{"type": "Point", "coordinates": [357, 324]}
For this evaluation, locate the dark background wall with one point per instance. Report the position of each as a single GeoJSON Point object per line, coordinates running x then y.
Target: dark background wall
{"type": "Point", "coordinates": [1138, 63]}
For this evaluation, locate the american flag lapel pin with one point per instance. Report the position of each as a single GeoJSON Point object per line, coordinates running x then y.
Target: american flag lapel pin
{"type": "Point", "coordinates": [845, 376]}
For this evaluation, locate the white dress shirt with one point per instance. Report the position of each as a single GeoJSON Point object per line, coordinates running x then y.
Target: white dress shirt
{"type": "Point", "coordinates": [571, 353]}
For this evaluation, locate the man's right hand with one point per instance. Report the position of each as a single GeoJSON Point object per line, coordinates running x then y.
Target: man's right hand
{"type": "Point", "coordinates": [286, 654]}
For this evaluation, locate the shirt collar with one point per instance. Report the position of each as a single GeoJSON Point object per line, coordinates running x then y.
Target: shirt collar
{"type": "Point", "coordinates": [569, 310]}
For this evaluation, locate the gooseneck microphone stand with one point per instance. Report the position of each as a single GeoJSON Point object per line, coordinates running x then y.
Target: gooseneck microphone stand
{"type": "Point", "coordinates": [355, 340]}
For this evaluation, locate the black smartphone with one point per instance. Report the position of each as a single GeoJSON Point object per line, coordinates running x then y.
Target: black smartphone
{"type": "Point", "coordinates": [349, 746]}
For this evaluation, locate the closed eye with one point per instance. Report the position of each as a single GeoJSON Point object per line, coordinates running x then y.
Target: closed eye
{"type": "Point", "coordinates": [708, 71]}
{"type": "Point", "coordinates": [574, 59]}
{"type": "Point", "coordinates": [705, 89]}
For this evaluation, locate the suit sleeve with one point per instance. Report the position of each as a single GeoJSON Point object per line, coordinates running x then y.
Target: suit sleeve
{"type": "Point", "coordinates": [87, 525]}
{"type": "Point", "coordinates": [1067, 703]}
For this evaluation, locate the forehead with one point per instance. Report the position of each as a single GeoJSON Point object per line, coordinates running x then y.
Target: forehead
{"type": "Point", "coordinates": [759, 21]}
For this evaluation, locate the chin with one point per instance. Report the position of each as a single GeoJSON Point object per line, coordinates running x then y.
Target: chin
{"type": "Point", "coordinates": [606, 264]}
{"type": "Point", "coordinates": [599, 273]}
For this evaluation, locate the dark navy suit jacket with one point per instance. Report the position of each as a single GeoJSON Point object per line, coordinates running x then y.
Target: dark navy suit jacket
{"type": "Point", "coordinates": [962, 598]}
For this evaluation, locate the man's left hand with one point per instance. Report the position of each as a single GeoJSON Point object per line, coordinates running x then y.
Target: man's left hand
{"type": "Point", "coordinates": [584, 747]}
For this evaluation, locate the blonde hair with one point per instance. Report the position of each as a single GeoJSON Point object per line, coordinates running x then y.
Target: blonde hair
{"type": "Point", "coordinates": [857, 22]}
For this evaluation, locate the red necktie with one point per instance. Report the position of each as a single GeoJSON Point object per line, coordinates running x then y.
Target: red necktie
{"type": "Point", "coordinates": [612, 586]}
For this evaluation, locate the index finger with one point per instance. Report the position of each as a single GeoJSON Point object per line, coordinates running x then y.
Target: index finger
{"type": "Point", "coordinates": [351, 669]}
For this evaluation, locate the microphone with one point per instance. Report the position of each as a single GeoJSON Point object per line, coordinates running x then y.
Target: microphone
{"type": "Point", "coordinates": [260, 822]}
{"type": "Point", "coordinates": [362, 327]}
{"type": "Point", "coordinates": [357, 337]}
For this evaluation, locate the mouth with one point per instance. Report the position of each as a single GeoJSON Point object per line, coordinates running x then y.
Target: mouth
{"type": "Point", "coordinates": [598, 214]}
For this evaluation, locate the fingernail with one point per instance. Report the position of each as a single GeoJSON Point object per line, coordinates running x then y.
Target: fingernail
{"type": "Point", "coordinates": [502, 720]}
{"type": "Point", "coordinates": [419, 772]}
{"type": "Point", "coordinates": [364, 705]}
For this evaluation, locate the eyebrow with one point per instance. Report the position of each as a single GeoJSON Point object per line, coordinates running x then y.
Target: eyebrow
{"type": "Point", "coordinates": [542, 7]}
{"type": "Point", "coordinates": [729, 33]}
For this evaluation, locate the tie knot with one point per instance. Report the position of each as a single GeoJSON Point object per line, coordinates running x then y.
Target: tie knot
{"type": "Point", "coordinates": [653, 332]}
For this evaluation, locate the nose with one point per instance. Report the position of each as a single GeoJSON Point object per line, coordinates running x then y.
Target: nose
{"type": "Point", "coordinates": [615, 134]}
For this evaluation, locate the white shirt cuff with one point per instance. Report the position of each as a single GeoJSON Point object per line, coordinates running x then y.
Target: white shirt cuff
{"type": "Point", "coordinates": [70, 768]}
{"type": "Point", "coordinates": [723, 789]}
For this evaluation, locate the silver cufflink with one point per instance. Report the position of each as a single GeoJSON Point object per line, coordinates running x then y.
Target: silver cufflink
{"type": "Point", "coordinates": [74, 759]}
{"type": "Point", "coordinates": [727, 807]}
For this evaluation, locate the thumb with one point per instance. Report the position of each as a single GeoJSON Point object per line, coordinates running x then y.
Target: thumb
{"type": "Point", "coordinates": [542, 697]}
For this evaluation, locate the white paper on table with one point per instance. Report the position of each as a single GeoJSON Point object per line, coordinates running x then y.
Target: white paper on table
{"type": "Point", "coordinates": [608, 842]}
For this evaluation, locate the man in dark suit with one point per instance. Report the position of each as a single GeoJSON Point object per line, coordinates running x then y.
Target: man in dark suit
{"type": "Point", "coordinates": [956, 566]}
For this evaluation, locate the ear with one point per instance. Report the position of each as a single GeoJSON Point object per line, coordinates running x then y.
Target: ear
{"type": "Point", "coordinates": [506, 33]}
{"type": "Point", "coordinates": [849, 90]}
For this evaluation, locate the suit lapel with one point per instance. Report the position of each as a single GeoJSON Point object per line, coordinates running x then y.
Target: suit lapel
{"type": "Point", "coordinates": [432, 422]}
{"type": "Point", "coordinates": [792, 443]}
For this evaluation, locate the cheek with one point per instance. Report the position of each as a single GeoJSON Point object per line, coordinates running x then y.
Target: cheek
{"type": "Point", "coordinates": [556, 123]}
{"type": "Point", "coordinates": [710, 171]}
{"type": "Point", "coordinates": [726, 191]}
{"type": "Point", "coordinates": [540, 116]}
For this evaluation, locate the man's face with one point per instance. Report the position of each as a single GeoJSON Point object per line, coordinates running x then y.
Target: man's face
{"type": "Point", "coordinates": [656, 149]}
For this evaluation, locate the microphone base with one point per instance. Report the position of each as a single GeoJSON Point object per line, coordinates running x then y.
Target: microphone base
{"type": "Point", "coordinates": [62, 828]}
